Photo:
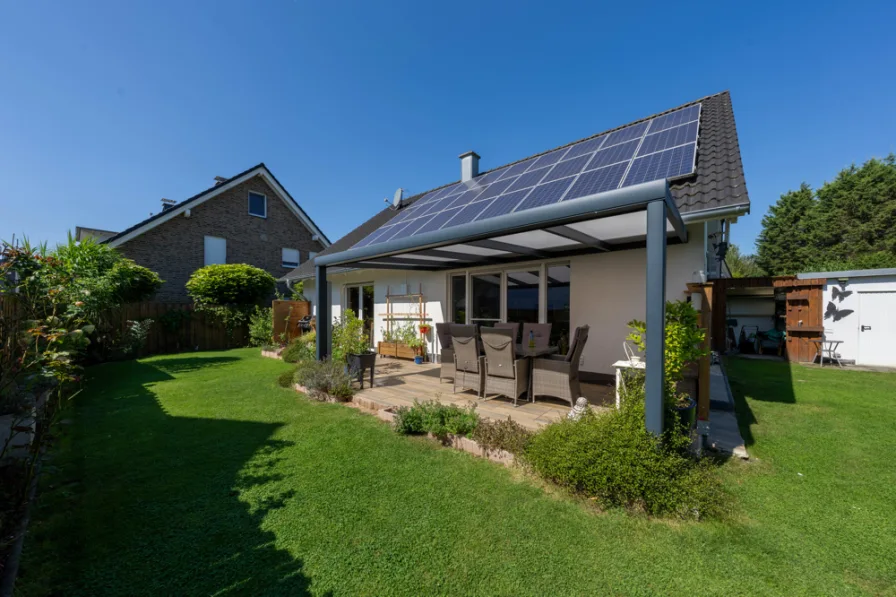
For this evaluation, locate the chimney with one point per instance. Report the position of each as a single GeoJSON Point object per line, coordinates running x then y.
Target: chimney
{"type": "Point", "coordinates": [219, 180]}
{"type": "Point", "coordinates": [168, 204]}
{"type": "Point", "coordinates": [469, 166]}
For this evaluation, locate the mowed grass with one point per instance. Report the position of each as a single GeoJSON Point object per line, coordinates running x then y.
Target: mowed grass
{"type": "Point", "coordinates": [196, 475]}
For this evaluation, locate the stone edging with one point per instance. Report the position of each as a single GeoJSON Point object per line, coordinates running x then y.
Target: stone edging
{"type": "Point", "coordinates": [271, 354]}
{"type": "Point", "coordinates": [458, 442]}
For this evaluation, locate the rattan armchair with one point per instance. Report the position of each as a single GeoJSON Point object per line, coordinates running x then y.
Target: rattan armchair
{"type": "Point", "coordinates": [559, 376]}
{"type": "Point", "coordinates": [446, 356]}
{"type": "Point", "coordinates": [504, 373]}
{"type": "Point", "coordinates": [469, 367]}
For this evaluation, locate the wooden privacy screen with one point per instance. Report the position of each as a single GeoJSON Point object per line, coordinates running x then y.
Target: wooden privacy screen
{"type": "Point", "coordinates": [804, 316]}
{"type": "Point", "coordinates": [287, 315]}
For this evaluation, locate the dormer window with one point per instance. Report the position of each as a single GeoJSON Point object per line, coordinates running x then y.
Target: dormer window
{"type": "Point", "coordinates": [258, 205]}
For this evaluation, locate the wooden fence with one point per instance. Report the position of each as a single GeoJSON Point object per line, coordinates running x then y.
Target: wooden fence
{"type": "Point", "coordinates": [177, 327]}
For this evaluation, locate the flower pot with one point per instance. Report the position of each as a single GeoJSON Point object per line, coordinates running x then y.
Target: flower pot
{"type": "Point", "coordinates": [358, 363]}
{"type": "Point", "coordinates": [418, 360]}
{"type": "Point", "coordinates": [686, 416]}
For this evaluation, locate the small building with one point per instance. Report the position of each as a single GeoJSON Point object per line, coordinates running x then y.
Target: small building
{"type": "Point", "coordinates": [856, 310]}
{"type": "Point", "coordinates": [248, 218]}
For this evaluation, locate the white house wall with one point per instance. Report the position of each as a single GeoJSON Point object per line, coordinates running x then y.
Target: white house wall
{"type": "Point", "coordinates": [434, 293]}
{"type": "Point", "coordinates": [607, 291]}
{"type": "Point", "coordinates": [846, 329]}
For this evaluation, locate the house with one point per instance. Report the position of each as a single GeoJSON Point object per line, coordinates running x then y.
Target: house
{"type": "Point", "coordinates": [561, 237]}
{"type": "Point", "coordinates": [248, 218]}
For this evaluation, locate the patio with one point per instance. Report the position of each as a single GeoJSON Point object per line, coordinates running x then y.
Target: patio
{"type": "Point", "coordinates": [398, 383]}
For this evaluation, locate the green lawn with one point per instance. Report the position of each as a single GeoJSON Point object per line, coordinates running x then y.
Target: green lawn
{"type": "Point", "coordinates": [195, 474]}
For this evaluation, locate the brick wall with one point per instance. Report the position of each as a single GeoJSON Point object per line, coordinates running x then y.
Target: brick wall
{"type": "Point", "coordinates": [176, 248]}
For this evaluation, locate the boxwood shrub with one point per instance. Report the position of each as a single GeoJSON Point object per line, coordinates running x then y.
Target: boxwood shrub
{"type": "Point", "coordinates": [612, 458]}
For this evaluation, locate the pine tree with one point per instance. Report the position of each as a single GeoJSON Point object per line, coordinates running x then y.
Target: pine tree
{"type": "Point", "coordinates": [784, 246]}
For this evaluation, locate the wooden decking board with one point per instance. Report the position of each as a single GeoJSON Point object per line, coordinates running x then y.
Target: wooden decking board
{"type": "Point", "coordinates": [399, 383]}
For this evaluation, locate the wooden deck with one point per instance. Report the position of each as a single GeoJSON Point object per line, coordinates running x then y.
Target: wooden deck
{"type": "Point", "coordinates": [399, 382]}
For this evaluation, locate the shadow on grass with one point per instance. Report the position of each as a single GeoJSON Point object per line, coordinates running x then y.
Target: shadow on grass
{"type": "Point", "coordinates": [147, 503]}
{"type": "Point", "coordinates": [764, 380]}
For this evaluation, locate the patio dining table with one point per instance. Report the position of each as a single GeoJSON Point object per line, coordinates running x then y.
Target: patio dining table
{"type": "Point", "coordinates": [524, 350]}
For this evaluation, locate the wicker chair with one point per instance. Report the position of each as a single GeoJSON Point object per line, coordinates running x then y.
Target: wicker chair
{"type": "Point", "coordinates": [513, 327]}
{"type": "Point", "coordinates": [469, 367]}
{"type": "Point", "coordinates": [541, 331]}
{"type": "Point", "coordinates": [443, 331]}
{"type": "Point", "coordinates": [559, 376]}
{"type": "Point", "coordinates": [504, 373]}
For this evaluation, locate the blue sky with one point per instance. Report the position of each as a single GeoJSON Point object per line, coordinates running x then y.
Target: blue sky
{"type": "Point", "coordinates": [106, 107]}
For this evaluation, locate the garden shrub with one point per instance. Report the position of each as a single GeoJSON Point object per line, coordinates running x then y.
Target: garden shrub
{"type": "Point", "coordinates": [135, 336]}
{"type": "Point", "coordinates": [612, 457]}
{"type": "Point", "coordinates": [230, 292]}
{"type": "Point", "coordinates": [349, 336]}
{"type": "Point", "coordinates": [285, 379]}
{"type": "Point", "coordinates": [261, 327]}
{"type": "Point", "coordinates": [302, 348]}
{"type": "Point", "coordinates": [230, 284]}
{"type": "Point", "coordinates": [436, 418]}
{"type": "Point", "coordinates": [324, 379]}
{"type": "Point", "coordinates": [503, 435]}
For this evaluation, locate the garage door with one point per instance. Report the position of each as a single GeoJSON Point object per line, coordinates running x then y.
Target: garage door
{"type": "Point", "coordinates": [877, 328]}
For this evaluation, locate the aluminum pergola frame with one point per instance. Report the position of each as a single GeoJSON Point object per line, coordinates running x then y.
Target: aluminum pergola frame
{"type": "Point", "coordinates": [653, 197]}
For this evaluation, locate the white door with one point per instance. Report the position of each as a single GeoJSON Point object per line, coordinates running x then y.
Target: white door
{"type": "Point", "coordinates": [215, 250]}
{"type": "Point", "coordinates": [877, 328]}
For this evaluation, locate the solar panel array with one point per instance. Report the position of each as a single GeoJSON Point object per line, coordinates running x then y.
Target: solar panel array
{"type": "Point", "coordinates": [660, 148]}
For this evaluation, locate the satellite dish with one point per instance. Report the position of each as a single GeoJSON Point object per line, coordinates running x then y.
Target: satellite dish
{"type": "Point", "coordinates": [396, 200]}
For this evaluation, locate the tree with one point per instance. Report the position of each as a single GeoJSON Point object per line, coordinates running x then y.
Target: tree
{"type": "Point", "coordinates": [742, 266]}
{"type": "Point", "coordinates": [230, 291]}
{"type": "Point", "coordinates": [784, 244]}
{"type": "Point", "coordinates": [849, 223]}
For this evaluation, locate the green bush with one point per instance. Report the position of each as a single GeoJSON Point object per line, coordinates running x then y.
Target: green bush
{"type": "Point", "coordinates": [349, 336]}
{"type": "Point", "coordinates": [285, 379]}
{"type": "Point", "coordinates": [261, 327]}
{"type": "Point", "coordinates": [611, 457]}
{"type": "Point", "coordinates": [325, 379]}
{"type": "Point", "coordinates": [436, 418]}
{"type": "Point", "coordinates": [302, 348]}
{"type": "Point", "coordinates": [502, 435]}
{"type": "Point", "coordinates": [230, 284]}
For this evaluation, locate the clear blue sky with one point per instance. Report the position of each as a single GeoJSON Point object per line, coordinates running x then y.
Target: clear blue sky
{"type": "Point", "coordinates": [107, 107]}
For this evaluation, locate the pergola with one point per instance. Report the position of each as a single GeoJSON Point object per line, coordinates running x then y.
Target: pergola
{"type": "Point", "coordinates": [626, 218]}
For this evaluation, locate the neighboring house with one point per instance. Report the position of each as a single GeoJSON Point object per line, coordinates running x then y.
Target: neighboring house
{"type": "Point", "coordinates": [249, 218]}
{"type": "Point", "coordinates": [584, 272]}
{"type": "Point", "coordinates": [82, 233]}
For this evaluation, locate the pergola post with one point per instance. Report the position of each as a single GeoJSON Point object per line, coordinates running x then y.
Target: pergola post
{"type": "Point", "coordinates": [323, 313]}
{"type": "Point", "coordinates": [656, 316]}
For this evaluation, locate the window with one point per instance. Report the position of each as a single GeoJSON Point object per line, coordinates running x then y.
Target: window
{"type": "Point", "coordinates": [258, 205]}
{"type": "Point", "coordinates": [459, 299]}
{"type": "Point", "coordinates": [486, 307]}
{"type": "Point", "coordinates": [558, 305]}
{"type": "Point", "coordinates": [522, 296]}
{"type": "Point", "coordinates": [290, 258]}
{"type": "Point", "coordinates": [215, 250]}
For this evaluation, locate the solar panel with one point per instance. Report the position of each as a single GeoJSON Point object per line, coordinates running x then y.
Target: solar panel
{"type": "Point", "coordinates": [663, 164]}
{"type": "Point", "coordinates": [660, 148]}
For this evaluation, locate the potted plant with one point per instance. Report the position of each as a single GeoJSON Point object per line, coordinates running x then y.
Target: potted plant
{"type": "Point", "coordinates": [424, 328]}
{"type": "Point", "coordinates": [684, 346]}
{"type": "Point", "coordinates": [418, 345]}
{"type": "Point", "coordinates": [352, 344]}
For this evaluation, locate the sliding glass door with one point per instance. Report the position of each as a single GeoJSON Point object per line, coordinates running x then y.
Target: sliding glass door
{"type": "Point", "coordinates": [533, 294]}
{"type": "Point", "coordinates": [360, 300]}
{"type": "Point", "coordinates": [522, 296]}
{"type": "Point", "coordinates": [558, 299]}
{"type": "Point", "coordinates": [486, 298]}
